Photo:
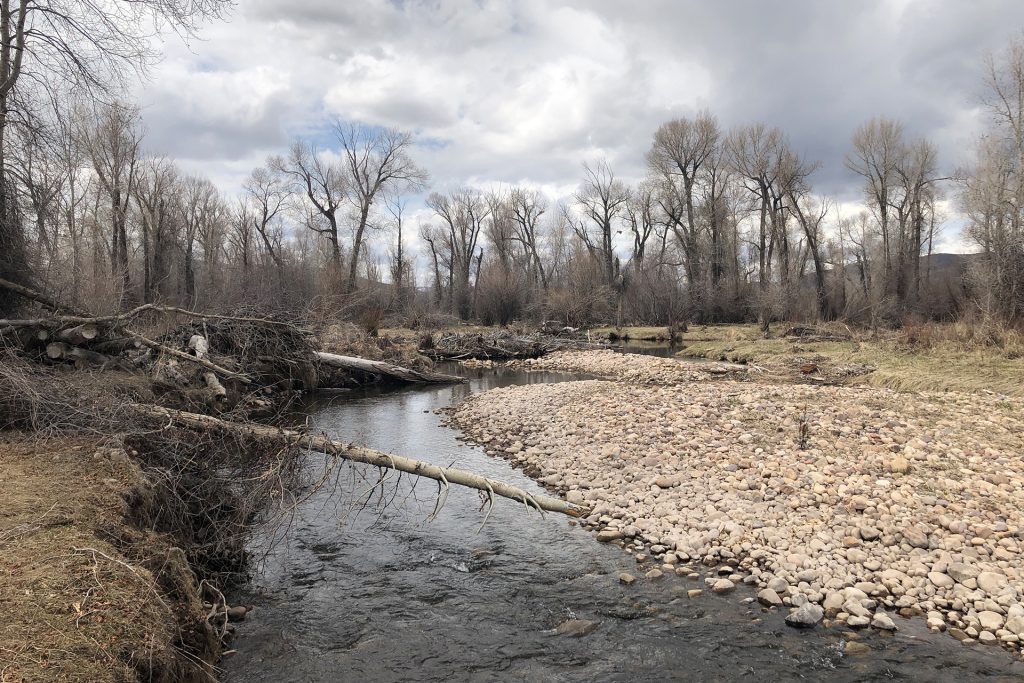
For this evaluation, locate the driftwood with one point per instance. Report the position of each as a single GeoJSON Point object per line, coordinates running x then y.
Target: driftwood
{"type": "Point", "coordinates": [445, 475]}
{"type": "Point", "coordinates": [379, 367]}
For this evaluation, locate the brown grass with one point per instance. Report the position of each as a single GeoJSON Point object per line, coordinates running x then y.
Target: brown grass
{"type": "Point", "coordinates": [75, 605]}
{"type": "Point", "coordinates": [933, 357]}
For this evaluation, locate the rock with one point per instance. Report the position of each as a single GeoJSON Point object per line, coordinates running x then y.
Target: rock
{"type": "Point", "coordinates": [722, 586]}
{"type": "Point", "coordinates": [609, 535]}
{"type": "Point", "coordinates": [916, 538]}
{"type": "Point", "coordinates": [666, 482]}
{"type": "Point", "coordinates": [576, 628]}
{"type": "Point", "coordinates": [990, 621]}
{"type": "Point", "coordinates": [694, 592]}
{"type": "Point", "coordinates": [779, 585]}
{"type": "Point", "coordinates": [858, 622]}
{"type": "Point", "coordinates": [940, 580]}
{"type": "Point", "coordinates": [883, 622]}
{"type": "Point", "coordinates": [654, 574]}
{"type": "Point", "coordinates": [769, 598]}
{"type": "Point", "coordinates": [869, 533]}
{"type": "Point", "coordinates": [854, 648]}
{"type": "Point", "coordinates": [961, 572]}
{"type": "Point", "coordinates": [575, 497]}
{"type": "Point", "coordinates": [1015, 624]}
{"type": "Point", "coordinates": [805, 617]}
{"type": "Point", "coordinates": [856, 556]}
{"type": "Point", "coordinates": [991, 582]}
{"type": "Point", "coordinates": [958, 634]}
{"type": "Point", "coordinates": [626, 578]}
{"type": "Point", "coordinates": [833, 603]}
{"type": "Point", "coordinates": [899, 465]}
{"type": "Point", "coordinates": [237, 613]}
{"type": "Point", "coordinates": [987, 638]}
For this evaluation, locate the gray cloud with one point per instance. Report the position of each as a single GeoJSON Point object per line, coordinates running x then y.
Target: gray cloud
{"type": "Point", "coordinates": [516, 91]}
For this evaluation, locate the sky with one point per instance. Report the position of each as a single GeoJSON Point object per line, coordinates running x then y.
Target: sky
{"type": "Point", "coordinates": [525, 91]}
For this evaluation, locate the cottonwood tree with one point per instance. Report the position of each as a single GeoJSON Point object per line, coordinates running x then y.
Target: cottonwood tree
{"type": "Point", "coordinates": [323, 184]}
{"type": "Point", "coordinates": [112, 140]}
{"type": "Point", "coordinates": [600, 204]}
{"type": "Point", "coordinates": [377, 161]}
{"type": "Point", "coordinates": [463, 212]}
{"type": "Point", "coordinates": [527, 207]}
{"type": "Point", "coordinates": [679, 160]}
{"type": "Point", "coordinates": [266, 193]}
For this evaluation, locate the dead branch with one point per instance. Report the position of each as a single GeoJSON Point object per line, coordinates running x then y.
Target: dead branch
{"type": "Point", "coordinates": [445, 475]}
{"type": "Point", "coordinates": [38, 297]}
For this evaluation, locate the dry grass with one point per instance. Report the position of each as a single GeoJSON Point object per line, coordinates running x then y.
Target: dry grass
{"type": "Point", "coordinates": [955, 357]}
{"type": "Point", "coordinates": [75, 607]}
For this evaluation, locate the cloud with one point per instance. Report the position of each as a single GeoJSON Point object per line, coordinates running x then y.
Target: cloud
{"type": "Point", "coordinates": [526, 90]}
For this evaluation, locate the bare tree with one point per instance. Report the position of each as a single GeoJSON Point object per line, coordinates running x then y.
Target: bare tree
{"type": "Point", "coordinates": [377, 160]}
{"type": "Point", "coordinates": [112, 143]}
{"type": "Point", "coordinates": [464, 213]}
{"type": "Point", "coordinates": [601, 202]}
{"type": "Point", "coordinates": [268, 194]}
{"type": "Point", "coordinates": [323, 183]}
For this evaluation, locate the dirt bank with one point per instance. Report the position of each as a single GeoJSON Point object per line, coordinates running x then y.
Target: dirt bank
{"type": "Point", "coordinates": [87, 591]}
{"type": "Point", "coordinates": [840, 502]}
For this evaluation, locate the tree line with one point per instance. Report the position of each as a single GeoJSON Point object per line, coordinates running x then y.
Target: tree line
{"type": "Point", "coordinates": [726, 225]}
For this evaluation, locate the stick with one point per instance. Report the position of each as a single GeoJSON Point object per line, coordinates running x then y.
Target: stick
{"type": "Point", "coordinates": [368, 456]}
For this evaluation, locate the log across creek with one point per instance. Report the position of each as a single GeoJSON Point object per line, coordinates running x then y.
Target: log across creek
{"type": "Point", "coordinates": [419, 468]}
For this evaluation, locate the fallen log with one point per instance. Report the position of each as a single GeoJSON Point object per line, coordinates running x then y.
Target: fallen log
{"type": "Point", "coordinates": [59, 350]}
{"type": "Point", "coordinates": [200, 347]}
{"type": "Point", "coordinates": [79, 334]}
{"type": "Point", "coordinates": [380, 367]}
{"type": "Point", "coordinates": [445, 475]}
{"type": "Point", "coordinates": [38, 297]}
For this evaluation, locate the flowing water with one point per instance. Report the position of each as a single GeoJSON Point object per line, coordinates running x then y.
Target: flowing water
{"type": "Point", "coordinates": [384, 594]}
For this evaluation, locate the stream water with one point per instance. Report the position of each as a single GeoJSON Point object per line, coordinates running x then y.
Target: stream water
{"type": "Point", "coordinates": [383, 593]}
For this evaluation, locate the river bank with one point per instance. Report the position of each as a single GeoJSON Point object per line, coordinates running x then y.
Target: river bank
{"type": "Point", "coordinates": [857, 501]}
{"type": "Point", "coordinates": [89, 590]}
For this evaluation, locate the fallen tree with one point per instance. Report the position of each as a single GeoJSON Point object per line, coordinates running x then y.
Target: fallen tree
{"type": "Point", "coordinates": [379, 367]}
{"type": "Point", "coordinates": [445, 475]}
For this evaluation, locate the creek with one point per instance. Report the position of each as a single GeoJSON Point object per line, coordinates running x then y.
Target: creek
{"type": "Point", "coordinates": [382, 592]}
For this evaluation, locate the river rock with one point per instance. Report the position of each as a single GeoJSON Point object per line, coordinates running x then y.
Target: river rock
{"type": "Point", "coordinates": [806, 616]}
{"type": "Point", "coordinates": [626, 578]}
{"type": "Point", "coordinates": [609, 535]}
{"type": "Point", "coordinates": [990, 621]}
{"type": "Point", "coordinates": [778, 585]}
{"type": "Point", "coordinates": [237, 613]}
{"type": "Point", "coordinates": [961, 572]}
{"type": "Point", "coordinates": [576, 628]}
{"type": "Point", "coordinates": [940, 580]}
{"type": "Point", "coordinates": [854, 648]}
{"type": "Point", "coordinates": [883, 622]}
{"type": "Point", "coordinates": [722, 586]}
{"type": "Point", "coordinates": [991, 582]}
{"type": "Point", "coordinates": [769, 598]}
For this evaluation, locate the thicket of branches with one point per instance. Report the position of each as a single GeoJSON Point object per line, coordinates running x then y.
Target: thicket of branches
{"type": "Point", "coordinates": [726, 226]}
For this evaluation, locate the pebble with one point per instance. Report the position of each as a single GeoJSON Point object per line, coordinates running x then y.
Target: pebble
{"type": "Point", "coordinates": [723, 586]}
{"type": "Point", "coordinates": [626, 578]}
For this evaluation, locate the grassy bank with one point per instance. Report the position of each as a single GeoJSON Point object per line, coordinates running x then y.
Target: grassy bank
{"type": "Point", "coordinates": [86, 593]}
{"type": "Point", "coordinates": [932, 357]}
